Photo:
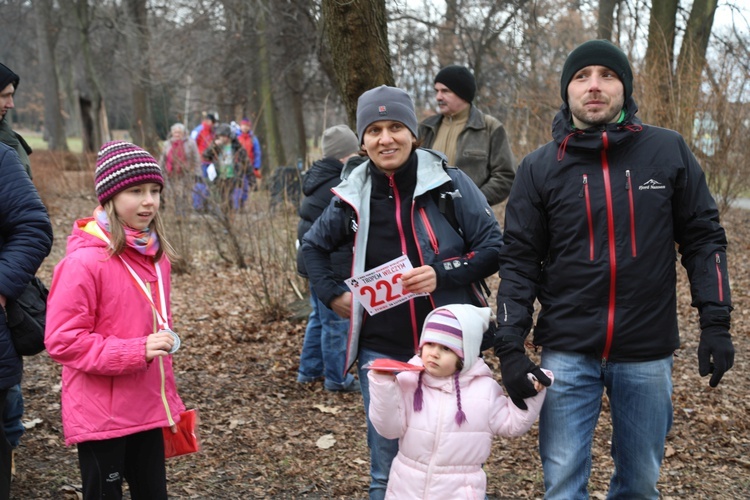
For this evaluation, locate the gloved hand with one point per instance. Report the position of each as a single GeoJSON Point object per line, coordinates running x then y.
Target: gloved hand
{"type": "Point", "coordinates": [514, 365]}
{"type": "Point", "coordinates": [715, 343]}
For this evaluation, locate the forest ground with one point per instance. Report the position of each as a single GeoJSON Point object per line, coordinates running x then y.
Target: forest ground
{"type": "Point", "coordinates": [264, 436]}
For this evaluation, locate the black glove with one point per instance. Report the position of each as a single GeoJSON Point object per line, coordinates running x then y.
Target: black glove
{"type": "Point", "coordinates": [715, 343]}
{"type": "Point", "coordinates": [514, 367]}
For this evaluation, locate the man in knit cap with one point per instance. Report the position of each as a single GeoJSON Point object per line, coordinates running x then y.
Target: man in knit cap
{"type": "Point", "coordinates": [324, 349]}
{"type": "Point", "coordinates": [472, 141]}
{"type": "Point", "coordinates": [590, 231]}
{"type": "Point", "coordinates": [25, 240]}
{"type": "Point", "coordinates": [13, 412]}
{"type": "Point", "coordinates": [8, 86]}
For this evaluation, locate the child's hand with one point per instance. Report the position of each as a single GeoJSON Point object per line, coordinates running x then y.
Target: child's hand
{"type": "Point", "coordinates": [158, 344]}
{"type": "Point", "coordinates": [538, 386]}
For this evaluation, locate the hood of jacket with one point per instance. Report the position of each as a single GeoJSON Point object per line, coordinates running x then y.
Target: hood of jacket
{"type": "Point", "coordinates": [321, 172]}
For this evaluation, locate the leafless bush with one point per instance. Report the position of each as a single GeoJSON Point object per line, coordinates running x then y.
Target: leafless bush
{"type": "Point", "coordinates": [257, 239]}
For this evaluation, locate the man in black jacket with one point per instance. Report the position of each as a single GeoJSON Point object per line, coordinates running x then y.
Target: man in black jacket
{"type": "Point", "coordinates": [590, 231]}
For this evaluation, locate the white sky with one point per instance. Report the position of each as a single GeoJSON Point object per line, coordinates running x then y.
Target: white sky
{"type": "Point", "coordinates": [722, 18]}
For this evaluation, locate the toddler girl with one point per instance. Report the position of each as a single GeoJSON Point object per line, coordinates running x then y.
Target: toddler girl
{"type": "Point", "coordinates": [446, 415]}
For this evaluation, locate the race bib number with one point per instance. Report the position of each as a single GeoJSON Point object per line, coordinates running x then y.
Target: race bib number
{"type": "Point", "coordinates": [380, 288]}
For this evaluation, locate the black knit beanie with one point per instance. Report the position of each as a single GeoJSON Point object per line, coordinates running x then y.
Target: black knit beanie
{"type": "Point", "coordinates": [7, 77]}
{"type": "Point", "coordinates": [460, 80]}
{"type": "Point", "coordinates": [597, 53]}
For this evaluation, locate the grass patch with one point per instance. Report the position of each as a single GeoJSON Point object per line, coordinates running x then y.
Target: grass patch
{"type": "Point", "coordinates": [35, 140]}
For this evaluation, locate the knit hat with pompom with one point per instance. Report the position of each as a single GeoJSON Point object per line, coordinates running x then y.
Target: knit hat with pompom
{"type": "Point", "coordinates": [459, 327]}
{"type": "Point", "coordinates": [121, 165]}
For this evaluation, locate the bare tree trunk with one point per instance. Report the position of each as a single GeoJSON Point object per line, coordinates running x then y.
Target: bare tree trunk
{"type": "Point", "coordinates": [296, 83]}
{"type": "Point", "coordinates": [357, 35]}
{"type": "Point", "coordinates": [90, 103]}
{"type": "Point", "coordinates": [137, 37]}
{"type": "Point", "coordinates": [53, 120]}
{"type": "Point", "coordinates": [692, 61]}
{"type": "Point", "coordinates": [447, 42]}
{"type": "Point", "coordinates": [659, 62]}
{"type": "Point", "coordinates": [606, 18]}
{"type": "Point", "coordinates": [274, 148]}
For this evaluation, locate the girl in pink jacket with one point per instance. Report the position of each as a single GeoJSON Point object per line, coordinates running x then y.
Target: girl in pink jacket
{"type": "Point", "coordinates": [108, 322]}
{"type": "Point", "coordinates": [446, 412]}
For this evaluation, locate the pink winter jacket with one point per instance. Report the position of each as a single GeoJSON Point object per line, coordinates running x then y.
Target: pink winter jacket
{"type": "Point", "coordinates": [97, 324]}
{"type": "Point", "coordinates": [436, 458]}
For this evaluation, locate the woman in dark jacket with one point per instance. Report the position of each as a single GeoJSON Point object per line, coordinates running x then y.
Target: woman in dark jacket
{"type": "Point", "coordinates": [25, 240]}
{"type": "Point", "coordinates": [390, 206]}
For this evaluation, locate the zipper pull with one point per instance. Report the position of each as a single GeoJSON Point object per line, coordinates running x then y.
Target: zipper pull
{"type": "Point", "coordinates": [390, 185]}
{"type": "Point", "coordinates": [627, 180]}
{"type": "Point", "coordinates": [585, 181]}
{"type": "Point", "coordinates": [718, 259]}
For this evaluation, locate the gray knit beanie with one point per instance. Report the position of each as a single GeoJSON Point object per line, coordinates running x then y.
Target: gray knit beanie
{"type": "Point", "coordinates": [385, 103]}
{"type": "Point", "coordinates": [339, 142]}
{"type": "Point", "coordinates": [597, 53]}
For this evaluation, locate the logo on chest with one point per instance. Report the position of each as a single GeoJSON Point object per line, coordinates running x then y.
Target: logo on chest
{"type": "Point", "coordinates": [650, 185]}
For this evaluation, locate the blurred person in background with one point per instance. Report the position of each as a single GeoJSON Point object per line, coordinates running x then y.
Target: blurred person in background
{"type": "Point", "coordinates": [181, 163]}
{"type": "Point", "coordinates": [473, 141]}
{"type": "Point", "coordinates": [324, 347]}
{"type": "Point", "coordinates": [251, 144]}
{"type": "Point", "coordinates": [230, 167]}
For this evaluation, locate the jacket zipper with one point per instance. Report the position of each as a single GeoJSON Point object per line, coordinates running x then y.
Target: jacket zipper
{"type": "Point", "coordinates": [402, 237]}
{"type": "Point", "coordinates": [719, 280]}
{"type": "Point", "coordinates": [587, 198]}
{"type": "Point", "coordinates": [430, 232]}
{"type": "Point", "coordinates": [629, 189]}
{"type": "Point", "coordinates": [612, 248]}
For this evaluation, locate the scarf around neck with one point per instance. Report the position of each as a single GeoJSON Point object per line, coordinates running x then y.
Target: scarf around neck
{"type": "Point", "coordinates": [145, 241]}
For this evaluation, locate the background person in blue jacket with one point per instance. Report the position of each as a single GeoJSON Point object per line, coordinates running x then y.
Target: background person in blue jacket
{"type": "Point", "coordinates": [25, 240]}
{"type": "Point", "coordinates": [590, 231]}
{"type": "Point", "coordinates": [389, 206]}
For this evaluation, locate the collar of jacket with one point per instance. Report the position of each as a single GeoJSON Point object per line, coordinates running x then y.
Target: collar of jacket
{"type": "Point", "coordinates": [321, 171]}
{"type": "Point", "coordinates": [591, 138]}
{"type": "Point", "coordinates": [405, 178]}
{"type": "Point", "coordinates": [475, 121]}
{"type": "Point", "coordinates": [430, 175]}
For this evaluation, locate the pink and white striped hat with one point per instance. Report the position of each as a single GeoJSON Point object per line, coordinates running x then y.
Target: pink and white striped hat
{"type": "Point", "coordinates": [121, 165]}
{"type": "Point", "coordinates": [442, 327]}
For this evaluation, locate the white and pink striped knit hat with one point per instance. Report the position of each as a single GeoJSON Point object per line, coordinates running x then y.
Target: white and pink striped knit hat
{"type": "Point", "coordinates": [121, 165]}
